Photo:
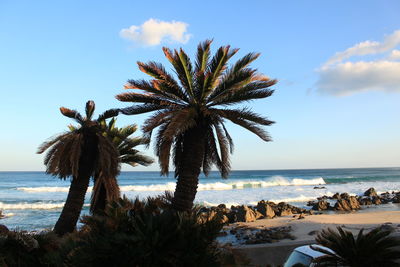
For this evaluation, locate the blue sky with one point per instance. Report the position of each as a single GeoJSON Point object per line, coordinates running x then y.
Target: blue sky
{"type": "Point", "coordinates": [337, 103]}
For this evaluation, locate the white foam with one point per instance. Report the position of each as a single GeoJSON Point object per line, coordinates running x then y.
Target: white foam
{"type": "Point", "coordinates": [274, 181]}
{"type": "Point", "coordinates": [32, 206]}
{"type": "Point", "coordinates": [50, 189]}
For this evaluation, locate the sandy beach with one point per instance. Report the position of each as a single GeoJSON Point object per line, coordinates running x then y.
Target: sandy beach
{"type": "Point", "coordinates": [305, 230]}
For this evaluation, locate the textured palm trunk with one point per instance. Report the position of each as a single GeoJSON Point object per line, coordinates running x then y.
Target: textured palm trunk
{"type": "Point", "coordinates": [76, 196]}
{"type": "Point", "coordinates": [105, 190]}
{"type": "Point", "coordinates": [189, 169]}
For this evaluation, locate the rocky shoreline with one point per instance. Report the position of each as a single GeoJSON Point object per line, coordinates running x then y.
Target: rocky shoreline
{"type": "Point", "coordinates": [270, 210]}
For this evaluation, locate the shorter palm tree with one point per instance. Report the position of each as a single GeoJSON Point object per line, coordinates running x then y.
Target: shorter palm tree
{"type": "Point", "coordinates": [375, 248]}
{"type": "Point", "coordinates": [80, 153]}
{"type": "Point", "coordinates": [106, 189]}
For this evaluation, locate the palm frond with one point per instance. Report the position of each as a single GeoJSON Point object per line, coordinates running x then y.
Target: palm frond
{"type": "Point", "coordinates": [73, 114]}
{"type": "Point", "coordinates": [139, 109]}
{"type": "Point", "coordinates": [108, 114]}
{"type": "Point", "coordinates": [89, 109]}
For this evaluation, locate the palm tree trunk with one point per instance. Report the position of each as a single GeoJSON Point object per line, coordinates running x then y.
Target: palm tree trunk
{"type": "Point", "coordinates": [76, 196]}
{"type": "Point", "coordinates": [73, 206]}
{"type": "Point", "coordinates": [105, 190]}
{"type": "Point", "coordinates": [189, 169]}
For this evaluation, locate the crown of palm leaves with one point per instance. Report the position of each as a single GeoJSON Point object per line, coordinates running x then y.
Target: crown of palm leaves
{"type": "Point", "coordinates": [200, 96]}
{"type": "Point", "coordinates": [65, 150]}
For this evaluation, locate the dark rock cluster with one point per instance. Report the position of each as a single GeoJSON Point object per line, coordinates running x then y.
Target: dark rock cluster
{"type": "Point", "coordinates": [1, 214]}
{"type": "Point", "coordinates": [345, 202]}
{"type": "Point", "coordinates": [249, 235]}
{"type": "Point", "coordinates": [269, 210]}
{"type": "Point", "coordinates": [243, 213]}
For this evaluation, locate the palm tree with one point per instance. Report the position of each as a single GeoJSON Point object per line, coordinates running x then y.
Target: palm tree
{"type": "Point", "coordinates": [106, 189]}
{"type": "Point", "coordinates": [187, 113]}
{"type": "Point", "coordinates": [375, 248]}
{"type": "Point", "coordinates": [81, 153]}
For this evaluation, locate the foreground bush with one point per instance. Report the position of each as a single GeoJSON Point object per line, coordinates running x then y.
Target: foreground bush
{"type": "Point", "coordinates": [127, 233]}
{"type": "Point", "coordinates": [19, 248]}
{"type": "Point", "coordinates": [146, 233]}
{"type": "Point", "coordinates": [375, 248]}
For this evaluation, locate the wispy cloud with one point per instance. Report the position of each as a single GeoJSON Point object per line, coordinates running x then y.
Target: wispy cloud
{"type": "Point", "coordinates": [341, 76]}
{"type": "Point", "coordinates": [153, 32]}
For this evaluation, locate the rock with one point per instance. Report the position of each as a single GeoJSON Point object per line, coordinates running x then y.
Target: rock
{"type": "Point", "coordinates": [370, 193]}
{"type": "Point", "coordinates": [344, 195]}
{"type": "Point", "coordinates": [285, 212]}
{"type": "Point", "coordinates": [342, 205]}
{"type": "Point", "coordinates": [354, 205]}
{"type": "Point", "coordinates": [376, 200]}
{"type": "Point", "coordinates": [336, 196]}
{"type": "Point", "coordinates": [311, 203]}
{"type": "Point", "coordinates": [321, 205]}
{"type": "Point", "coordinates": [221, 206]}
{"type": "Point", "coordinates": [347, 204]}
{"type": "Point", "coordinates": [396, 199]}
{"type": "Point", "coordinates": [319, 187]}
{"type": "Point", "coordinates": [259, 215]}
{"type": "Point", "coordinates": [1, 214]}
{"type": "Point", "coordinates": [265, 209]}
{"type": "Point", "coordinates": [311, 212]}
{"type": "Point", "coordinates": [301, 216]}
{"type": "Point", "coordinates": [245, 214]}
{"type": "Point", "coordinates": [366, 201]}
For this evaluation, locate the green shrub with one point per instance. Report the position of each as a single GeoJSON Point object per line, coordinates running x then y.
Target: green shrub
{"type": "Point", "coordinates": [375, 248]}
{"type": "Point", "coordinates": [20, 248]}
{"type": "Point", "coordinates": [148, 233]}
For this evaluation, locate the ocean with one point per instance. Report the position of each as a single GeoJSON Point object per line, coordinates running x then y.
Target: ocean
{"type": "Point", "coordinates": [33, 200]}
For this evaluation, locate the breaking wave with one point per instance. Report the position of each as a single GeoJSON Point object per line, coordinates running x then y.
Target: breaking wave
{"type": "Point", "coordinates": [274, 181]}
{"type": "Point", "coordinates": [32, 206]}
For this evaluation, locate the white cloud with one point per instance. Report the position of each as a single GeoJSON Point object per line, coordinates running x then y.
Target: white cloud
{"type": "Point", "coordinates": [347, 78]}
{"type": "Point", "coordinates": [395, 55]}
{"type": "Point", "coordinates": [367, 48]}
{"type": "Point", "coordinates": [340, 76]}
{"type": "Point", "coordinates": [153, 32]}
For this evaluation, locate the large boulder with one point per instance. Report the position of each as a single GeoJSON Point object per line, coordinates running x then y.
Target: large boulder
{"type": "Point", "coordinates": [336, 196]}
{"type": "Point", "coordinates": [349, 204]}
{"type": "Point", "coordinates": [245, 214]}
{"type": "Point", "coordinates": [283, 209]}
{"type": "Point", "coordinates": [321, 205]}
{"type": "Point", "coordinates": [370, 193]}
{"type": "Point", "coordinates": [265, 209]}
{"type": "Point", "coordinates": [353, 202]}
{"type": "Point", "coordinates": [342, 205]}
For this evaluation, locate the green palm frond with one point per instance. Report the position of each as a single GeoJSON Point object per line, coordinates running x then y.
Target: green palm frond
{"type": "Point", "coordinates": [194, 98]}
{"type": "Point", "coordinates": [375, 248]}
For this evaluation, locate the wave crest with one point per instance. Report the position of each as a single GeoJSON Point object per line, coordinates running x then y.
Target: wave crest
{"type": "Point", "coordinates": [241, 184]}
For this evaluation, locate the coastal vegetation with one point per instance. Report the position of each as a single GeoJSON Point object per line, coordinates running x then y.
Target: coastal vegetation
{"type": "Point", "coordinates": [375, 248]}
{"type": "Point", "coordinates": [106, 189]}
{"type": "Point", "coordinates": [81, 153]}
{"type": "Point", "coordinates": [190, 112]}
{"type": "Point", "coordinates": [126, 233]}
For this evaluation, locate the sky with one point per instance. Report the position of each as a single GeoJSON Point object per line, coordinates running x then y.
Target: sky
{"type": "Point", "coordinates": [336, 105]}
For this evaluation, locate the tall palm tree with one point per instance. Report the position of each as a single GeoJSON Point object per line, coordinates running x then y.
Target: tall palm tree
{"type": "Point", "coordinates": [80, 154]}
{"type": "Point", "coordinates": [375, 248]}
{"type": "Point", "coordinates": [190, 113]}
{"type": "Point", "coordinates": [106, 189]}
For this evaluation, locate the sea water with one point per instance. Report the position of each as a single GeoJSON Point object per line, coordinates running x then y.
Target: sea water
{"type": "Point", "coordinates": [33, 200]}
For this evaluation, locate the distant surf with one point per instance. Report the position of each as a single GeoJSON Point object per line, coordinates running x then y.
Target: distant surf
{"type": "Point", "coordinates": [274, 181]}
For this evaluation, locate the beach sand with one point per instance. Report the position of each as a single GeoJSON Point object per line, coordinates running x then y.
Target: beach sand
{"type": "Point", "coordinates": [276, 253]}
